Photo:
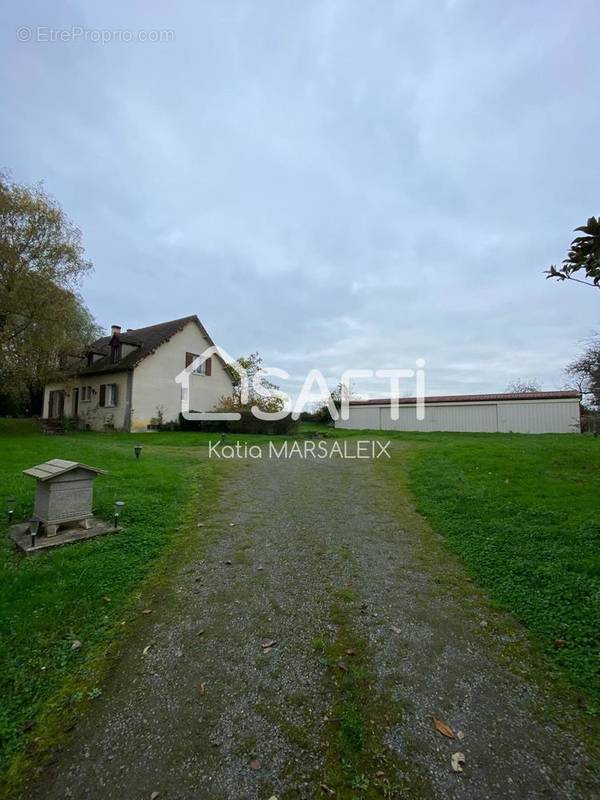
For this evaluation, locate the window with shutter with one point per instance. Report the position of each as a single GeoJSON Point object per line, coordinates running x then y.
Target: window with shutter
{"type": "Point", "coordinates": [111, 395]}
{"type": "Point", "coordinates": [208, 366]}
{"type": "Point", "coordinates": [190, 358]}
{"type": "Point", "coordinates": [102, 397]}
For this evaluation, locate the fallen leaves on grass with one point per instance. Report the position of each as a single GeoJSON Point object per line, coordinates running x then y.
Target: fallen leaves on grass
{"type": "Point", "coordinates": [442, 728]}
{"type": "Point", "coordinates": [107, 599]}
{"type": "Point", "coordinates": [154, 795]}
{"type": "Point", "coordinates": [458, 761]}
{"type": "Point", "coordinates": [147, 611]}
{"type": "Point", "coordinates": [76, 645]}
{"type": "Point", "coordinates": [342, 666]}
{"type": "Point", "coordinates": [559, 643]}
{"type": "Point", "coordinates": [146, 649]}
{"type": "Point", "coordinates": [255, 764]}
{"type": "Point", "coordinates": [200, 688]}
{"type": "Point", "coordinates": [350, 651]}
{"type": "Point", "coordinates": [268, 646]}
{"type": "Point", "coordinates": [327, 789]}
{"type": "Point", "coordinates": [395, 628]}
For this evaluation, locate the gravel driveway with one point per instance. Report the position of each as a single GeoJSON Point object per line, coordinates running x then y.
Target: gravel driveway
{"type": "Point", "coordinates": [310, 553]}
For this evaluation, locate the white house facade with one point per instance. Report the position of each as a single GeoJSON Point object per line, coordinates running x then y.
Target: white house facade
{"type": "Point", "coordinates": [526, 412]}
{"type": "Point", "coordinates": [127, 381]}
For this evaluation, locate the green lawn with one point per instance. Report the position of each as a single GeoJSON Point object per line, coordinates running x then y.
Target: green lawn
{"type": "Point", "coordinates": [523, 513]}
{"type": "Point", "coordinates": [82, 592]}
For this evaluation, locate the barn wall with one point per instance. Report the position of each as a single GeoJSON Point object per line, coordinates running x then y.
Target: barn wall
{"type": "Point", "coordinates": [527, 416]}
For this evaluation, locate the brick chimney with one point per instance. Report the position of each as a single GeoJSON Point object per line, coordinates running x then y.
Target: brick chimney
{"type": "Point", "coordinates": [115, 330]}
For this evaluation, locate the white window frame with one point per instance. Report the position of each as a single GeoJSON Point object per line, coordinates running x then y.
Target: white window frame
{"type": "Point", "coordinates": [109, 398]}
{"type": "Point", "coordinates": [86, 394]}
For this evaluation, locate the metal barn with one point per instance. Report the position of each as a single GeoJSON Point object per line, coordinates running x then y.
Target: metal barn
{"type": "Point", "coordinates": [528, 412]}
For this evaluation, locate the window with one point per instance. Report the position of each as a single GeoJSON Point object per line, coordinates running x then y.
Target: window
{"type": "Point", "coordinates": [86, 394]}
{"type": "Point", "coordinates": [108, 395]}
{"type": "Point", "coordinates": [115, 353]}
{"type": "Point", "coordinates": [202, 368]}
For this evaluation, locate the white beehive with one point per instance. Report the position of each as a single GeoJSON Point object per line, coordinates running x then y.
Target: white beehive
{"type": "Point", "coordinates": [64, 493]}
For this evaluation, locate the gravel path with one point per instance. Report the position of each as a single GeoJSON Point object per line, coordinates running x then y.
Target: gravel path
{"type": "Point", "coordinates": [208, 712]}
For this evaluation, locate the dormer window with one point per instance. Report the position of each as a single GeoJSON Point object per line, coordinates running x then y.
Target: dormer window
{"type": "Point", "coordinates": [115, 352]}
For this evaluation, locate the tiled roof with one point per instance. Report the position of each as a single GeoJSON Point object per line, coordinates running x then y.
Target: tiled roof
{"type": "Point", "coordinates": [146, 341]}
{"type": "Point", "coordinates": [473, 398]}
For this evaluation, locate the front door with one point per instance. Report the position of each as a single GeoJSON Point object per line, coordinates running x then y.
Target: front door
{"type": "Point", "coordinates": [75, 402]}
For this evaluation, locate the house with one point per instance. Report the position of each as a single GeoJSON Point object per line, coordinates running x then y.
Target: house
{"type": "Point", "coordinates": [127, 381]}
{"type": "Point", "coordinates": [524, 412]}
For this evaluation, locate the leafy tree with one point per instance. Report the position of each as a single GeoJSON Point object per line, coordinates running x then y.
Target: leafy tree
{"type": "Point", "coordinates": [340, 392]}
{"type": "Point", "coordinates": [520, 386]}
{"type": "Point", "coordinates": [252, 366]}
{"type": "Point", "coordinates": [583, 255]}
{"type": "Point", "coordinates": [43, 320]}
{"type": "Point", "coordinates": [584, 372]}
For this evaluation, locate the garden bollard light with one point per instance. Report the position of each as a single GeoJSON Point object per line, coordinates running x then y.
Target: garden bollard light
{"type": "Point", "coordinates": [10, 508]}
{"type": "Point", "coordinates": [118, 507]}
{"type": "Point", "coordinates": [138, 451]}
{"type": "Point", "coordinates": [34, 526]}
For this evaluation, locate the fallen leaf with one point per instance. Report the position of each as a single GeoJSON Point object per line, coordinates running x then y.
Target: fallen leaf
{"type": "Point", "coordinates": [200, 632]}
{"type": "Point", "coordinates": [442, 728]}
{"type": "Point", "coordinates": [395, 629]}
{"type": "Point", "coordinates": [342, 666]}
{"type": "Point", "coordinates": [76, 645]}
{"type": "Point", "coordinates": [154, 795]}
{"type": "Point", "coordinates": [231, 524]}
{"type": "Point", "coordinates": [327, 789]}
{"type": "Point", "coordinates": [559, 643]}
{"type": "Point", "coordinates": [458, 761]}
{"type": "Point", "coordinates": [255, 764]}
{"type": "Point", "coordinates": [228, 562]}
{"type": "Point", "coordinates": [145, 650]}
{"type": "Point", "coordinates": [351, 651]}
{"type": "Point", "coordinates": [460, 735]}
{"type": "Point", "coordinates": [200, 524]}
{"type": "Point", "coordinates": [268, 645]}
{"type": "Point", "coordinates": [201, 688]}
{"type": "Point", "coordinates": [147, 611]}
{"type": "Point", "coordinates": [107, 599]}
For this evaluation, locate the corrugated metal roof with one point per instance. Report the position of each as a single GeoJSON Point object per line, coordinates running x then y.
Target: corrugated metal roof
{"type": "Point", "coordinates": [474, 398]}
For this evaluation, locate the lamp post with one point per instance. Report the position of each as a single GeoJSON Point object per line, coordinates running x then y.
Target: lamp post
{"type": "Point", "coordinates": [34, 526]}
{"type": "Point", "coordinates": [138, 451]}
{"type": "Point", "coordinates": [118, 508]}
{"type": "Point", "coordinates": [10, 508]}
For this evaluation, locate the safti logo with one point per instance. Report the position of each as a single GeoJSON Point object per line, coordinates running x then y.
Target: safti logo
{"type": "Point", "coordinates": [315, 384]}
{"type": "Point", "coordinates": [234, 366]}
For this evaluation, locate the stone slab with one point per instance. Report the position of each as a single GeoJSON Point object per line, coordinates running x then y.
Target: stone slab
{"type": "Point", "coordinates": [21, 536]}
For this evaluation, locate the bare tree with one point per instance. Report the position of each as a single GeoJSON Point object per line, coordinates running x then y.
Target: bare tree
{"type": "Point", "coordinates": [521, 386]}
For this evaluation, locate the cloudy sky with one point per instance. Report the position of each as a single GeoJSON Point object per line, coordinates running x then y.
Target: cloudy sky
{"type": "Point", "coordinates": [337, 184]}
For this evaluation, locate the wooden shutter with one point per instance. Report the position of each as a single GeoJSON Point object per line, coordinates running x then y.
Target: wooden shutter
{"type": "Point", "coordinates": [189, 357]}
{"type": "Point", "coordinates": [102, 398]}
{"type": "Point", "coordinates": [208, 366]}
{"type": "Point", "coordinates": [115, 394]}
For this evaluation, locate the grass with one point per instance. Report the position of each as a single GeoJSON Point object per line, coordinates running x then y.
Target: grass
{"type": "Point", "coordinates": [85, 592]}
{"type": "Point", "coordinates": [523, 514]}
